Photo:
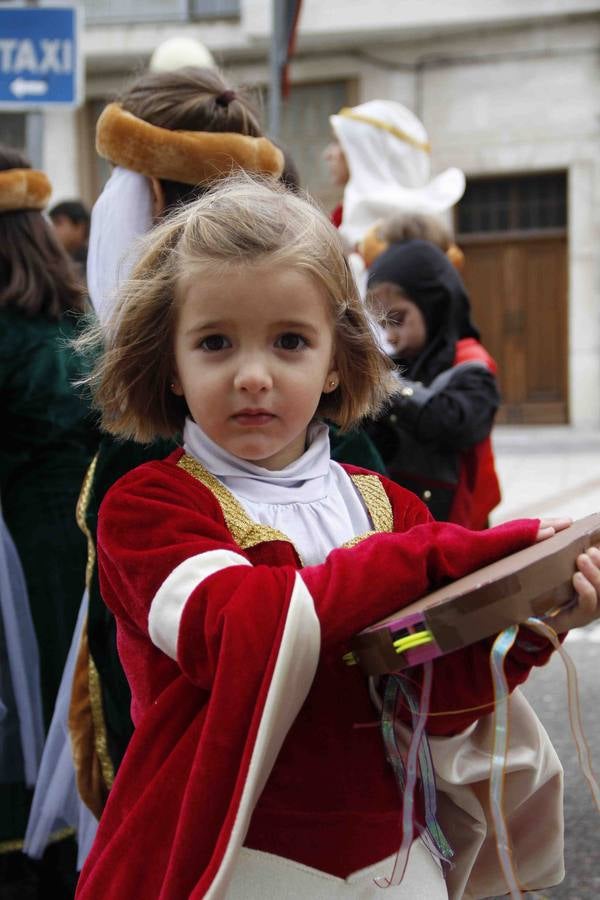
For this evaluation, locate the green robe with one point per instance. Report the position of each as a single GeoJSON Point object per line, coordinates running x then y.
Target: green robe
{"type": "Point", "coordinates": [46, 443]}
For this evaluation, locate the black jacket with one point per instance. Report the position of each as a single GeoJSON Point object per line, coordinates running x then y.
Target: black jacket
{"type": "Point", "coordinates": [442, 410]}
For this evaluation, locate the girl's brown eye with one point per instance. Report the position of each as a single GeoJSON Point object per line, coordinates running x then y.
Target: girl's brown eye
{"type": "Point", "coordinates": [214, 342]}
{"type": "Point", "coordinates": [290, 341]}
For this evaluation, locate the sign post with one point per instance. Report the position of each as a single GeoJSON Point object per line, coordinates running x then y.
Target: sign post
{"type": "Point", "coordinates": [40, 65]}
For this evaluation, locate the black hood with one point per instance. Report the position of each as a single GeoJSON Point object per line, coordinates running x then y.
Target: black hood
{"type": "Point", "coordinates": [427, 277]}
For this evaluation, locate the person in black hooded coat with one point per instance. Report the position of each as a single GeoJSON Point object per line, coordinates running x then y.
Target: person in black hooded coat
{"type": "Point", "coordinates": [435, 436]}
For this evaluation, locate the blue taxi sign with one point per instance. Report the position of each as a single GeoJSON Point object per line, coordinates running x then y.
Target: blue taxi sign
{"type": "Point", "coordinates": [40, 63]}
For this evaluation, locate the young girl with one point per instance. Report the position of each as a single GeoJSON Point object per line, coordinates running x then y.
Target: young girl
{"type": "Point", "coordinates": [170, 136]}
{"type": "Point", "coordinates": [434, 436]}
{"type": "Point", "coordinates": [239, 567]}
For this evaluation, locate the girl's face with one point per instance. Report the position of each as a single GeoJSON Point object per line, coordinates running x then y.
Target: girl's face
{"type": "Point", "coordinates": [254, 352]}
{"type": "Point", "coordinates": [401, 319]}
{"type": "Point", "coordinates": [337, 163]}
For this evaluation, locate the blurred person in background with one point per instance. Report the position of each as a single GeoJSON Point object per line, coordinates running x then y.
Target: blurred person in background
{"type": "Point", "coordinates": [71, 222]}
{"type": "Point", "coordinates": [381, 157]}
{"type": "Point", "coordinates": [406, 227]}
{"type": "Point", "coordinates": [434, 436]}
{"type": "Point", "coordinates": [48, 440]}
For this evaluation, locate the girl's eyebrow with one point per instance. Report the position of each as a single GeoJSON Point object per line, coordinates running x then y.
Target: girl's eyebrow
{"type": "Point", "coordinates": [303, 324]}
{"type": "Point", "coordinates": [223, 324]}
{"type": "Point", "coordinates": [208, 326]}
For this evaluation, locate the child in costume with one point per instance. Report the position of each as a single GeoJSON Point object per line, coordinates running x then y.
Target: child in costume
{"type": "Point", "coordinates": [239, 567]}
{"type": "Point", "coordinates": [48, 440]}
{"type": "Point", "coordinates": [434, 436]}
{"type": "Point", "coordinates": [170, 135]}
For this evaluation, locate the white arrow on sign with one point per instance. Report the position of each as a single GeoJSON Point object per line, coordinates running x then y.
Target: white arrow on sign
{"type": "Point", "coordinates": [23, 87]}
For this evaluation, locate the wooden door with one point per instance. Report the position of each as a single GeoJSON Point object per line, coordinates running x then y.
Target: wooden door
{"type": "Point", "coordinates": [518, 292]}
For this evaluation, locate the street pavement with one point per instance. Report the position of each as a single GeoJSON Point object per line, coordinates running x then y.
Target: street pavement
{"type": "Point", "coordinates": [548, 471]}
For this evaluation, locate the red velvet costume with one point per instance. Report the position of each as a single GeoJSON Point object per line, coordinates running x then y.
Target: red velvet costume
{"type": "Point", "coordinates": [245, 713]}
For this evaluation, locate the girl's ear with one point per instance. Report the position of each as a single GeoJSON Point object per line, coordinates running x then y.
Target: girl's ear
{"type": "Point", "coordinates": [332, 381]}
{"type": "Point", "coordinates": [158, 198]}
{"type": "Point", "coordinates": [175, 386]}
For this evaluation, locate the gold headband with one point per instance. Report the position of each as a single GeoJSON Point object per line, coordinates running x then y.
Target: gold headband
{"type": "Point", "coordinates": [190, 157]}
{"type": "Point", "coordinates": [349, 113]}
{"type": "Point", "coordinates": [23, 189]}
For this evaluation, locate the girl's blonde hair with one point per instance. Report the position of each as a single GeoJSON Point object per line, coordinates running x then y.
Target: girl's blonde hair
{"type": "Point", "coordinates": [243, 221]}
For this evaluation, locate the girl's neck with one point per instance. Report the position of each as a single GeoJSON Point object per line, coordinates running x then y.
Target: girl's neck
{"type": "Point", "coordinates": [313, 463]}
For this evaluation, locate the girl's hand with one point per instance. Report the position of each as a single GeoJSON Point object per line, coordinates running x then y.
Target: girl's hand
{"type": "Point", "coordinates": [586, 607]}
{"type": "Point", "coordinates": [549, 527]}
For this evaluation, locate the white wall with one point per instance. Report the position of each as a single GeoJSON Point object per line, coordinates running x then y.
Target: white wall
{"type": "Point", "coordinates": [60, 154]}
{"type": "Point", "coordinates": [391, 18]}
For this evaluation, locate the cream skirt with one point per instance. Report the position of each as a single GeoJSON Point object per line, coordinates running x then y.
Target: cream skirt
{"type": "Point", "coordinates": [263, 876]}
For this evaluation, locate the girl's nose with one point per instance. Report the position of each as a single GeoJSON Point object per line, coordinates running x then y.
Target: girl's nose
{"type": "Point", "coordinates": [253, 376]}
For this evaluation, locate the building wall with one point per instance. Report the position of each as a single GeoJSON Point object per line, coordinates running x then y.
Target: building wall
{"type": "Point", "coordinates": [507, 93]}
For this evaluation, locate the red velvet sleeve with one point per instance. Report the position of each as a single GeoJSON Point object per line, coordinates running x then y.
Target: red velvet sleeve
{"type": "Point", "coordinates": [462, 686]}
{"type": "Point", "coordinates": [155, 518]}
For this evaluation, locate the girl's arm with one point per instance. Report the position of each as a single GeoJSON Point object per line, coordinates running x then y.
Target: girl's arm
{"type": "Point", "coordinates": [462, 689]}
{"type": "Point", "coordinates": [169, 568]}
{"type": "Point", "coordinates": [458, 416]}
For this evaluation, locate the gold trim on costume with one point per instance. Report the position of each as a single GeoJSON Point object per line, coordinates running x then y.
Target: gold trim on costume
{"type": "Point", "coordinates": [376, 500]}
{"type": "Point", "coordinates": [80, 514]}
{"type": "Point", "coordinates": [244, 530]}
{"type": "Point", "coordinates": [247, 533]}
{"type": "Point", "coordinates": [189, 157]}
{"type": "Point", "coordinates": [55, 836]}
{"type": "Point", "coordinates": [100, 739]}
{"type": "Point", "coordinates": [94, 688]}
{"type": "Point", "coordinates": [91, 783]}
{"type": "Point", "coordinates": [349, 113]}
{"type": "Point", "coordinates": [358, 539]}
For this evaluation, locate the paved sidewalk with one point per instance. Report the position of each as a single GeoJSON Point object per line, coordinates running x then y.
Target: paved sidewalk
{"type": "Point", "coordinates": [546, 471]}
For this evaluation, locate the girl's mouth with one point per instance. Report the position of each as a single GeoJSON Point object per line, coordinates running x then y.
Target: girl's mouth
{"type": "Point", "coordinates": [253, 417]}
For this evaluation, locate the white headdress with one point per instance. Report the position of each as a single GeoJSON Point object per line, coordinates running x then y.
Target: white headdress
{"type": "Point", "coordinates": [388, 155]}
{"type": "Point", "coordinates": [121, 215]}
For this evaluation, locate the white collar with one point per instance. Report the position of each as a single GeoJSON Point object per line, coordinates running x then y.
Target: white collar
{"type": "Point", "coordinates": [303, 481]}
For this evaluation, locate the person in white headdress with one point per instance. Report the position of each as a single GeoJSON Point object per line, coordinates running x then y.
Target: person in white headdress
{"type": "Point", "coordinates": [382, 157]}
{"type": "Point", "coordinates": [388, 156]}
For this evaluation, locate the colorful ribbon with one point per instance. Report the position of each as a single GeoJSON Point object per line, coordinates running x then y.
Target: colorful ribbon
{"type": "Point", "coordinates": [406, 777]}
{"type": "Point", "coordinates": [500, 649]}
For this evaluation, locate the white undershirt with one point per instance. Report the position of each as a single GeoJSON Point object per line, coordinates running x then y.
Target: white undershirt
{"type": "Point", "coordinates": [312, 501]}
